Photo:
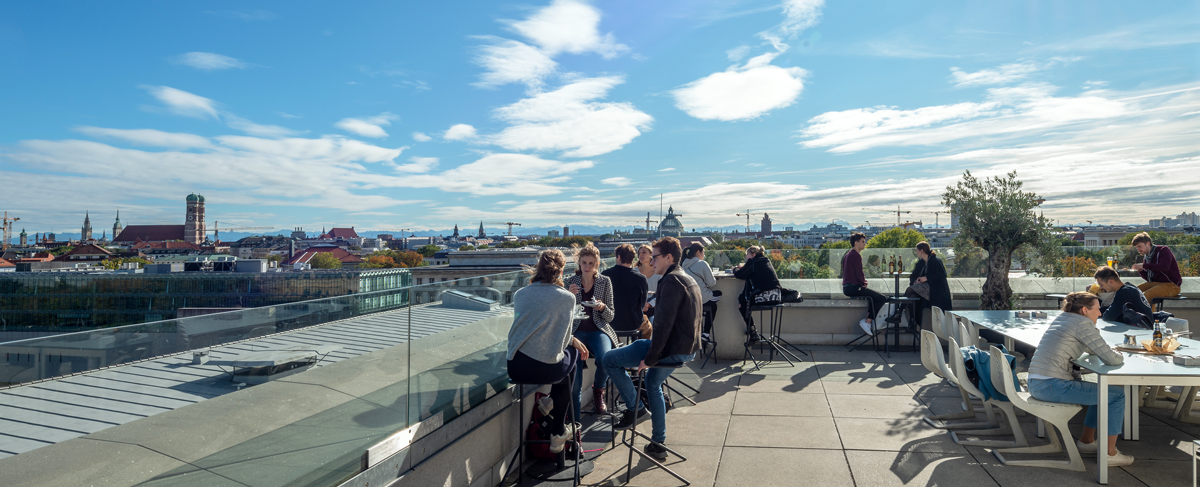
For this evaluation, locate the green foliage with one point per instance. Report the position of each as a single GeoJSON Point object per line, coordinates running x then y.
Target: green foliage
{"type": "Point", "coordinates": [429, 250]}
{"type": "Point", "coordinates": [325, 260]}
{"type": "Point", "coordinates": [1067, 242]}
{"type": "Point", "coordinates": [840, 244]}
{"type": "Point", "coordinates": [736, 244]}
{"type": "Point", "coordinates": [997, 216]}
{"type": "Point", "coordinates": [481, 247]}
{"type": "Point", "coordinates": [115, 264]}
{"type": "Point", "coordinates": [275, 258]}
{"type": "Point", "coordinates": [514, 244]}
{"type": "Point", "coordinates": [717, 237]}
{"type": "Point", "coordinates": [466, 247]}
{"type": "Point", "coordinates": [62, 250]}
{"type": "Point", "coordinates": [894, 238]}
{"type": "Point", "coordinates": [1161, 238]}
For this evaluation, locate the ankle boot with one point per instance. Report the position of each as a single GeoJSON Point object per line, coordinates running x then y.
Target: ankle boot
{"type": "Point", "coordinates": [598, 404]}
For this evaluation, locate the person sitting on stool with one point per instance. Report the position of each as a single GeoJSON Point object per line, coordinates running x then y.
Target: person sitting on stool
{"type": "Point", "coordinates": [760, 277]}
{"type": "Point", "coordinates": [541, 349]}
{"type": "Point", "coordinates": [1158, 268]}
{"type": "Point", "coordinates": [854, 281]}
{"type": "Point", "coordinates": [928, 281]}
{"type": "Point", "coordinates": [675, 340]}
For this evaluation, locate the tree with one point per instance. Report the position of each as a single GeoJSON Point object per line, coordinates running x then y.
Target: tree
{"type": "Point", "coordinates": [325, 260]}
{"type": "Point", "coordinates": [840, 244]}
{"type": "Point", "coordinates": [995, 215]}
{"type": "Point", "coordinates": [378, 262]}
{"type": "Point", "coordinates": [275, 258]}
{"type": "Point", "coordinates": [466, 247]}
{"type": "Point", "coordinates": [409, 259]}
{"type": "Point", "coordinates": [115, 264]}
{"type": "Point", "coordinates": [896, 238]}
{"type": "Point", "coordinates": [481, 247]}
{"type": "Point", "coordinates": [429, 250]}
{"type": "Point", "coordinates": [62, 250]}
{"type": "Point", "coordinates": [1160, 238]}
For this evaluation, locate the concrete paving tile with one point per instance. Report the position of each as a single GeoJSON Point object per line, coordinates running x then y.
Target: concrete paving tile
{"type": "Point", "coordinates": [894, 435]}
{"type": "Point", "coordinates": [834, 385]}
{"type": "Point", "coordinates": [766, 384]}
{"type": "Point", "coordinates": [696, 429]}
{"type": "Point", "coordinates": [783, 432]}
{"type": "Point", "coordinates": [781, 404]}
{"type": "Point", "coordinates": [865, 371]}
{"type": "Point", "coordinates": [781, 370]}
{"type": "Point", "coordinates": [700, 467]}
{"type": "Point", "coordinates": [720, 403]}
{"type": "Point", "coordinates": [880, 468]}
{"type": "Point", "coordinates": [1161, 473]}
{"type": "Point", "coordinates": [1013, 476]}
{"type": "Point", "coordinates": [876, 406]}
{"type": "Point", "coordinates": [769, 467]}
{"type": "Point", "coordinates": [857, 356]}
{"type": "Point", "coordinates": [1159, 443]}
{"type": "Point", "coordinates": [938, 389]}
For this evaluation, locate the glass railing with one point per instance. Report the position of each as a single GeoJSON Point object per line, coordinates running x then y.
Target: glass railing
{"type": "Point", "coordinates": [1070, 261]}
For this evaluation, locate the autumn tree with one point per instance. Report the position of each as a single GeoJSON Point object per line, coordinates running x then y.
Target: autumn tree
{"type": "Point", "coordinates": [409, 259]}
{"type": "Point", "coordinates": [325, 260]}
{"type": "Point", "coordinates": [997, 216]}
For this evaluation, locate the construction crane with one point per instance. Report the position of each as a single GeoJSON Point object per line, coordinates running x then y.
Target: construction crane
{"type": "Point", "coordinates": [216, 230]}
{"type": "Point", "coordinates": [648, 221]}
{"type": "Point", "coordinates": [510, 225]}
{"type": "Point", "coordinates": [8, 229]}
{"type": "Point", "coordinates": [747, 214]}
{"type": "Point", "coordinates": [935, 214]}
{"type": "Point", "coordinates": [897, 211]}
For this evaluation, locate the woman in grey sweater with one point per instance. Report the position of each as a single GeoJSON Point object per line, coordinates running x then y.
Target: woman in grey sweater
{"type": "Point", "coordinates": [1050, 374]}
{"type": "Point", "coordinates": [541, 349]}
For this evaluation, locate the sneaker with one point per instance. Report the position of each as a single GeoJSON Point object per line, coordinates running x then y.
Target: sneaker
{"type": "Point", "coordinates": [598, 404]}
{"type": "Point", "coordinates": [1119, 460]}
{"type": "Point", "coordinates": [1087, 448]}
{"type": "Point", "coordinates": [893, 319]}
{"type": "Point", "coordinates": [867, 327]}
{"type": "Point", "coordinates": [558, 442]}
{"type": "Point", "coordinates": [628, 418]}
{"type": "Point", "coordinates": [656, 451]}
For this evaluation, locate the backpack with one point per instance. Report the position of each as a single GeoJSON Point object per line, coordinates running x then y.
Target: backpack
{"type": "Point", "coordinates": [539, 429]}
{"type": "Point", "coordinates": [1134, 318]}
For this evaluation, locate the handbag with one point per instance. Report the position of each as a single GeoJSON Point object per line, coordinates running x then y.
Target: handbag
{"type": "Point", "coordinates": [922, 289]}
{"type": "Point", "coordinates": [768, 297]}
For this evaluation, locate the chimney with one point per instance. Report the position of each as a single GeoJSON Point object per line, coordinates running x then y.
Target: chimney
{"type": "Point", "coordinates": [291, 250]}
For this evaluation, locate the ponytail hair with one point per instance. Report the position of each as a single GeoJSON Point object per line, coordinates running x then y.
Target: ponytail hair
{"type": "Point", "coordinates": [924, 247]}
{"type": "Point", "coordinates": [1077, 301]}
{"type": "Point", "coordinates": [756, 250]}
{"type": "Point", "coordinates": [692, 249]}
{"type": "Point", "coordinates": [549, 268]}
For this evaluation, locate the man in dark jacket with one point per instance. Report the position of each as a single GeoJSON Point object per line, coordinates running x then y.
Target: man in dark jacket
{"type": "Point", "coordinates": [629, 290]}
{"type": "Point", "coordinates": [1158, 268]}
{"type": "Point", "coordinates": [760, 276]}
{"type": "Point", "coordinates": [677, 322]}
{"type": "Point", "coordinates": [1110, 282]}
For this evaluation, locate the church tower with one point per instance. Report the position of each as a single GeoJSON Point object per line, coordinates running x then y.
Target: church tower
{"type": "Point", "coordinates": [766, 226]}
{"type": "Point", "coordinates": [193, 226]}
{"type": "Point", "coordinates": [86, 233]}
{"type": "Point", "coordinates": [455, 231]}
{"type": "Point", "coordinates": [24, 238]}
{"type": "Point", "coordinates": [482, 234]}
{"type": "Point", "coordinates": [117, 226]}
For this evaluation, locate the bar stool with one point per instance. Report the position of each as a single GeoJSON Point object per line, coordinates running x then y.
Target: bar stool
{"type": "Point", "coordinates": [582, 467]}
{"type": "Point", "coordinates": [1157, 303]}
{"type": "Point", "coordinates": [865, 336]}
{"type": "Point", "coordinates": [633, 432]}
{"type": "Point", "coordinates": [771, 338]}
{"type": "Point", "coordinates": [707, 336]}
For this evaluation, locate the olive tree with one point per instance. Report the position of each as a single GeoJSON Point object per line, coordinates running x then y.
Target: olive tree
{"type": "Point", "coordinates": [997, 216]}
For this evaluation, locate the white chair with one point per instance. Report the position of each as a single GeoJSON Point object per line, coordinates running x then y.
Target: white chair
{"type": "Point", "coordinates": [931, 354]}
{"type": "Point", "coordinates": [1055, 415]}
{"type": "Point", "coordinates": [959, 368]}
{"type": "Point", "coordinates": [983, 344]}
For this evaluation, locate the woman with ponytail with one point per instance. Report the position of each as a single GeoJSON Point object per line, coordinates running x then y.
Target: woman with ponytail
{"type": "Point", "coordinates": [1052, 378]}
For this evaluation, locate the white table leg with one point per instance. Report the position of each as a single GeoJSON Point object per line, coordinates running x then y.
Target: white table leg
{"type": "Point", "coordinates": [1134, 416]}
{"type": "Point", "coordinates": [1127, 425]}
{"type": "Point", "coordinates": [1102, 428]}
{"type": "Point", "coordinates": [1009, 343]}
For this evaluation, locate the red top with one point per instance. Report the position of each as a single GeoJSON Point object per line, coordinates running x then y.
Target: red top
{"type": "Point", "coordinates": [852, 269]}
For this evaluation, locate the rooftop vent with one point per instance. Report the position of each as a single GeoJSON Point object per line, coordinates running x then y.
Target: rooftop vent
{"type": "Point", "coordinates": [460, 300]}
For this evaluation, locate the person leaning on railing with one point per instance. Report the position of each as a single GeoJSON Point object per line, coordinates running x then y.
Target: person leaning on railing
{"type": "Point", "coordinates": [541, 349]}
{"type": "Point", "coordinates": [760, 277]}
{"type": "Point", "coordinates": [1051, 376]}
{"type": "Point", "coordinates": [588, 285]}
{"type": "Point", "coordinates": [1158, 268]}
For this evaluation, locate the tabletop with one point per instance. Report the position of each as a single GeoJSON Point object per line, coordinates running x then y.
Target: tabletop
{"type": "Point", "coordinates": [1005, 322]}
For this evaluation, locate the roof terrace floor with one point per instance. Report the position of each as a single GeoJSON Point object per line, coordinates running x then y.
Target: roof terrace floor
{"type": "Point", "coordinates": [855, 419]}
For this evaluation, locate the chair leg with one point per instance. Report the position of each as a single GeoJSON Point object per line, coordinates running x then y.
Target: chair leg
{"type": "Point", "coordinates": [1011, 427]}
{"type": "Point", "coordinates": [968, 413]}
{"type": "Point", "coordinates": [1075, 463]}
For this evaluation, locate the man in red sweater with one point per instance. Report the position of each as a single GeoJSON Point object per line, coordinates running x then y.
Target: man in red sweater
{"type": "Point", "coordinates": [1158, 268]}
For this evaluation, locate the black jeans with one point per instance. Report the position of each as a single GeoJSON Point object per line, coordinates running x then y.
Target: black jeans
{"type": "Point", "coordinates": [525, 370]}
{"type": "Point", "coordinates": [877, 300]}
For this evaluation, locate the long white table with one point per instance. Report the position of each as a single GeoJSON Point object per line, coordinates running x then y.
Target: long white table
{"type": "Point", "coordinates": [1138, 369]}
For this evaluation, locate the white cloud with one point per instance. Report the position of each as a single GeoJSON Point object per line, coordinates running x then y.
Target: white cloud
{"type": "Point", "coordinates": [568, 120]}
{"type": "Point", "coordinates": [149, 137]}
{"type": "Point", "coordinates": [568, 26]}
{"type": "Point", "coordinates": [738, 53]}
{"type": "Point", "coordinates": [421, 137]}
{"type": "Point", "coordinates": [419, 165]}
{"type": "Point", "coordinates": [460, 131]}
{"type": "Point", "coordinates": [208, 61]}
{"type": "Point", "coordinates": [368, 126]}
{"type": "Point", "coordinates": [669, 169]}
{"type": "Point", "coordinates": [1001, 75]}
{"type": "Point", "coordinates": [252, 128]}
{"type": "Point", "coordinates": [741, 92]}
{"type": "Point", "coordinates": [1094, 84]}
{"type": "Point", "coordinates": [800, 15]}
{"type": "Point", "coordinates": [508, 61]}
{"type": "Point", "coordinates": [617, 181]}
{"type": "Point", "coordinates": [496, 174]}
{"type": "Point", "coordinates": [183, 103]}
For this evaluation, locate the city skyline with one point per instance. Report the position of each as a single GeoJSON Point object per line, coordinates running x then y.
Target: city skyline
{"type": "Point", "coordinates": [572, 113]}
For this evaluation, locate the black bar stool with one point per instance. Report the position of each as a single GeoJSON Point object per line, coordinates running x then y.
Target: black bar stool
{"type": "Point", "coordinates": [582, 467]}
{"type": "Point", "coordinates": [771, 338]}
{"type": "Point", "coordinates": [913, 327]}
{"type": "Point", "coordinates": [1157, 303]}
{"type": "Point", "coordinates": [865, 336]}
{"type": "Point", "coordinates": [633, 432]}
{"type": "Point", "coordinates": [708, 337]}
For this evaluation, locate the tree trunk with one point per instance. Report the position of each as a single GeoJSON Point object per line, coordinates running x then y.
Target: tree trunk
{"type": "Point", "coordinates": [996, 292]}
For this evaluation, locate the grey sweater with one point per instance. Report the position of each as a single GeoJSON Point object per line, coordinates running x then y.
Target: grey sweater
{"type": "Point", "coordinates": [542, 323]}
{"type": "Point", "coordinates": [1069, 336]}
{"type": "Point", "coordinates": [700, 272]}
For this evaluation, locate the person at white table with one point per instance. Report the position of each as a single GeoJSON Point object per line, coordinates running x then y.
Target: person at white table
{"type": "Point", "coordinates": [1123, 293]}
{"type": "Point", "coordinates": [1051, 378]}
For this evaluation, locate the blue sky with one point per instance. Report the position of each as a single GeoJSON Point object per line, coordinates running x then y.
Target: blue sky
{"type": "Point", "coordinates": [388, 115]}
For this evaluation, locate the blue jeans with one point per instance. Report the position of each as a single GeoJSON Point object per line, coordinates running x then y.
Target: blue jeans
{"type": "Point", "coordinates": [1079, 392]}
{"type": "Point", "coordinates": [597, 344]}
{"type": "Point", "coordinates": [629, 356]}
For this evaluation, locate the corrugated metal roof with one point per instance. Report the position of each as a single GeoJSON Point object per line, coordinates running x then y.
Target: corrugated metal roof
{"type": "Point", "coordinates": [44, 413]}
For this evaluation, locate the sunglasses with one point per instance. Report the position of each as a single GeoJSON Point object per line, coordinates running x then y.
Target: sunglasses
{"type": "Point", "coordinates": [654, 256]}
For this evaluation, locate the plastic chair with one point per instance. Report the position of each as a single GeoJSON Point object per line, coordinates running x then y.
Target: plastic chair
{"type": "Point", "coordinates": [1054, 415]}
{"type": "Point", "coordinates": [1006, 408]}
{"type": "Point", "coordinates": [932, 359]}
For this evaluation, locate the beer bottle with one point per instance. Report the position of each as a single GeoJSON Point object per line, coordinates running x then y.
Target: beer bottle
{"type": "Point", "coordinates": [892, 265]}
{"type": "Point", "coordinates": [900, 264]}
{"type": "Point", "coordinates": [1158, 336]}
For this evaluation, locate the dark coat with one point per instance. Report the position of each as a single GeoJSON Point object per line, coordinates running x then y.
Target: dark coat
{"type": "Point", "coordinates": [629, 297]}
{"type": "Point", "coordinates": [677, 316]}
{"type": "Point", "coordinates": [759, 275]}
{"type": "Point", "coordinates": [939, 286]}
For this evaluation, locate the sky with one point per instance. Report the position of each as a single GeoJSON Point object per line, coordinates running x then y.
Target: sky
{"type": "Point", "coordinates": [423, 115]}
